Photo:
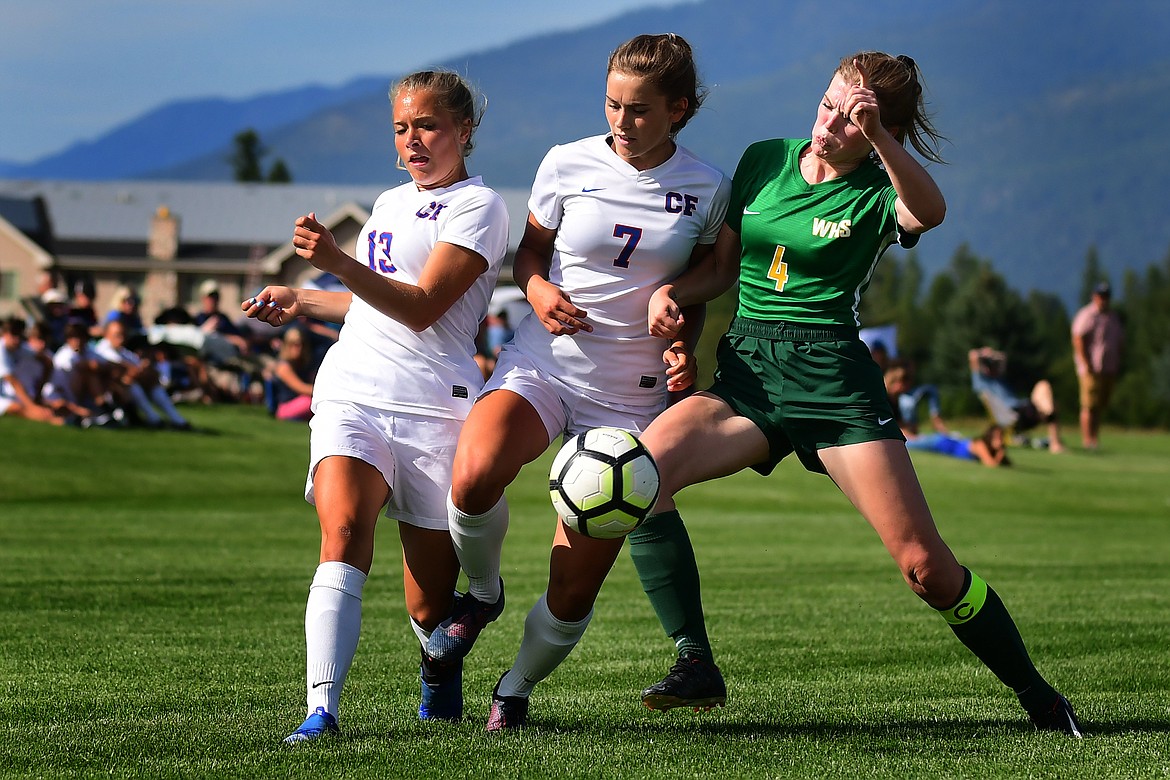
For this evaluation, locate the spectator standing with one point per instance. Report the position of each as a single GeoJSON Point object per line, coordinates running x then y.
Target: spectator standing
{"type": "Point", "coordinates": [1097, 339]}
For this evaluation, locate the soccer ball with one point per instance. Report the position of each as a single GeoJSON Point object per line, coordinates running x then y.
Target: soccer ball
{"type": "Point", "coordinates": [603, 483]}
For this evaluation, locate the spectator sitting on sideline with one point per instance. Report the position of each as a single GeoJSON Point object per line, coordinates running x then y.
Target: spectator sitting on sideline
{"type": "Point", "coordinates": [76, 384]}
{"type": "Point", "coordinates": [988, 367]}
{"type": "Point", "coordinates": [292, 377]}
{"type": "Point", "coordinates": [905, 399]}
{"type": "Point", "coordinates": [21, 375]}
{"type": "Point", "coordinates": [56, 307]}
{"type": "Point", "coordinates": [137, 379]}
{"type": "Point", "coordinates": [125, 311]}
{"type": "Point", "coordinates": [81, 309]}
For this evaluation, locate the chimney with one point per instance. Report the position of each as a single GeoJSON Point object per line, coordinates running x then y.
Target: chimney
{"type": "Point", "coordinates": [164, 235]}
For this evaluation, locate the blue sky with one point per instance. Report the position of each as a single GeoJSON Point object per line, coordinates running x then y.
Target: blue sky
{"type": "Point", "coordinates": [70, 70]}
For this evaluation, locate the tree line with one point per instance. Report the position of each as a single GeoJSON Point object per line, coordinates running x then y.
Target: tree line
{"type": "Point", "coordinates": [969, 304]}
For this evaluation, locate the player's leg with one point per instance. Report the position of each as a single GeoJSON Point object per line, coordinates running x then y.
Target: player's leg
{"type": "Point", "coordinates": [430, 572]}
{"type": "Point", "coordinates": [502, 433]}
{"type": "Point", "coordinates": [661, 547]}
{"type": "Point", "coordinates": [878, 478]}
{"type": "Point", "coordinates": [578, 566]}
{"type": "Point", "coordinates": [349, 494]}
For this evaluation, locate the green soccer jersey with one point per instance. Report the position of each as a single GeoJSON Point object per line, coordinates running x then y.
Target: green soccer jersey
{"type": "Point", "coordinates": [809, 250]}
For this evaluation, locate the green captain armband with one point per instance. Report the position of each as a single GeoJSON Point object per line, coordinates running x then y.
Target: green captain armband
{"type": "Point", "coordinates": [969, 603]}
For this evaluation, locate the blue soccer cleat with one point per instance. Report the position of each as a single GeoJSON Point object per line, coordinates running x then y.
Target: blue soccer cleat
{"type": "Point", "coordinates": [319, 724]}
{"type": "Point", "coordinates": [442, 689]}
{"type": "Point", "coordinates": [455, 636]}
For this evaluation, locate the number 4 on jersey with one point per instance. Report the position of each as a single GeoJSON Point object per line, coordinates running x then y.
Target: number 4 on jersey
{"type": "Point", "coordinates": [779, 270]}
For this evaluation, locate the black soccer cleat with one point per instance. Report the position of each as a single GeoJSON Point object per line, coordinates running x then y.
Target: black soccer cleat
{"type": "Point", "coordinates": [507, 712]}
{"type": "Point", "coordinates": [692, 682]}
{"type": "Point", "coordinates": [1059, 717]}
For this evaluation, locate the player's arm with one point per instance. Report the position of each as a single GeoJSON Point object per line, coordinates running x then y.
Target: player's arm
{"type": "Point", "coordinates": [278, 305]}
{"type": "Point", "coordinates": [530, 271]}
{"type": "Point", "coordinates": [1078, 343]}
{"type": "Point", "coordinates": [708, 278]}
{"type": "Point", "coordinates": [920, 205]}
{"type": "Point", "coordinates": [449, 272]}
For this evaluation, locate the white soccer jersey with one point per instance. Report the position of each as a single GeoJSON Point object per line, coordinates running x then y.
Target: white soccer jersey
{"type": "Point", "coordinates": [621, 234]}
{"type": "Point", "coordinates": [379, 362]}
{"type": "Point", "coordinates": [108, 353]}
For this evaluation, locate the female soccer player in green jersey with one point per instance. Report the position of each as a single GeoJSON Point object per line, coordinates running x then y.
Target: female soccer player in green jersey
{"type": "Point", "coordinates": [807, 223]}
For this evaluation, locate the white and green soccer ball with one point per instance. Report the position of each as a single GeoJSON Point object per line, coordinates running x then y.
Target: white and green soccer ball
{"type": "Point", "coordinates": [603, 483]}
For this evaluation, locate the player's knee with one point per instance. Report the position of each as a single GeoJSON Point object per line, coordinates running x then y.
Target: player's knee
{"type": "Point", "coordinates": [569, 599]}
{"type": "Point", "coordinates": [934, 581]}
{"type": "Point", "coordinates": [428, 613]}
{"type": "Point", "coordinates": [477, 482]}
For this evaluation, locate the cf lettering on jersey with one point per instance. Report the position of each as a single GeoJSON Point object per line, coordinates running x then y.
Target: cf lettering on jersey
{"type": "Point", "coordinates": [826, 229]}
{"type": "Point", "coordinates": [684, 204]}
{"type": "Point", "coordinates": [430, 212]}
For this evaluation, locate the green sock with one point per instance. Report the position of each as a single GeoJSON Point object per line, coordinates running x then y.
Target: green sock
{"type": "Point", "coordinates": [982, 623]}
{"type": "Point", "coordinates": [662, 553]}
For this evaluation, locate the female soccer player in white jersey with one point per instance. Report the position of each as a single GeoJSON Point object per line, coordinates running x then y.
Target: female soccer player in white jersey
{"type": "Point", "coordinates": [808, 222]}
{"type": "Point", "coordinates": [392, 393]}
{"type": "Point", "coordinates": [612, 217]}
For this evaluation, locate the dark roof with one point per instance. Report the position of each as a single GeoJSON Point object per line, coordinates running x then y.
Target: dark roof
{"type": "Point", "coordinates": [29, 216]}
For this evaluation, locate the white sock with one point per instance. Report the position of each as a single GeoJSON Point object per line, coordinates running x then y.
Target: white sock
{"type": "Point", "coordinates": [333, 620]}
{"type": "Point", "coordinates": [547, 641]}
{"type": "Point", "coordinates": [142, 403]}
{"type": "Point", "coordinates": [479, 543]}
{"type": "Point", "coordinates": [422, 634]}
{"type": "Point", "coordinates": [163, 401]}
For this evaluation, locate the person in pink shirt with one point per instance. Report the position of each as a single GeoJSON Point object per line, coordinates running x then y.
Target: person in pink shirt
{"type": "Point", "coordinates": [1097, 339]}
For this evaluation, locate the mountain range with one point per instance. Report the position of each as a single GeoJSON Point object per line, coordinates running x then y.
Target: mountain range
{"type": "Point", "coordinates": [1052, 112]}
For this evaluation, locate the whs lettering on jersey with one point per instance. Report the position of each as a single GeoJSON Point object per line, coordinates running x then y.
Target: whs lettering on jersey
{"type": "Point", "coordinates": [823, 228]}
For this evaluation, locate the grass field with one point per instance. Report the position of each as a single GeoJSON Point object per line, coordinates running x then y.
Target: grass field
{"type": "Point", "coordinates": [152, 593]}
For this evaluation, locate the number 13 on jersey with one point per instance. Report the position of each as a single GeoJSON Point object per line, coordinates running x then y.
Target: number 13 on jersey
{"type": "Point", "coordinates": [779, 270]}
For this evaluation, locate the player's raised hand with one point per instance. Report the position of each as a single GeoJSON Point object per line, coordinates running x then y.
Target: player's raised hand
{"type": "Point", "coordinates": [664, 315]}
{"type": "Point", "coordinates": [314, 242]}
{"type": "Point", "coordinates": [681, 367]}
{"type": "Point", "coordinates": [556, 312]}
{"type": "Point", "coordinates": [860, 105]}
{"type": "Point", "coordinates": [276, 305]}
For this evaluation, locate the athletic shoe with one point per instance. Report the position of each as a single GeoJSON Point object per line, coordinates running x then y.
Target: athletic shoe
{"type": "Point", "coordinates": [1059, 717]}
{"type": "Point", "coordinates": [442, 689]}
{"type": "Point", "coordinates": [319, 724]}
{"type": "Point", "coordinates": [507, 712]}
{"type": "Point", "coordinates": [456, 635]}
{"type": "Point", "coordinates": [691, 682]}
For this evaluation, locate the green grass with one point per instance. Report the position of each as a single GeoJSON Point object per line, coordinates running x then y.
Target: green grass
{"type": "Point", "coordinates": [152, 590]}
